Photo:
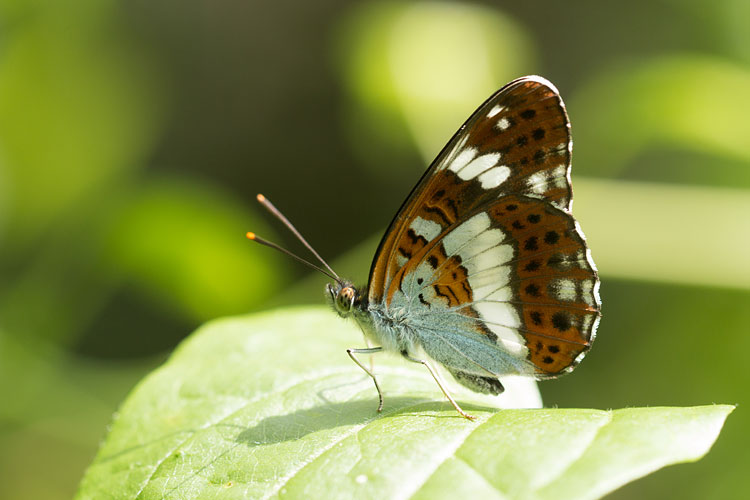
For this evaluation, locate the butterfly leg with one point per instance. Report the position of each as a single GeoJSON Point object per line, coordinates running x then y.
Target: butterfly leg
{"type": "Point", "coordinates": [370, 350]}
{"type": "Point", "coordinates": [372, 360]}
{"type": "Point", "coordinates": [440, 384]}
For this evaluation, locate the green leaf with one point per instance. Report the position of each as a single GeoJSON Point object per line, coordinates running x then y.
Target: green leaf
{"type": "Point", "coordinates": [270, 406]}
{"type": "Point", "coordinates": [672, 100]}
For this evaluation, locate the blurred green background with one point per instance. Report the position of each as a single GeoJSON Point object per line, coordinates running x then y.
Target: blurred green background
{"type": "Point", "coordinates": [135, 135]}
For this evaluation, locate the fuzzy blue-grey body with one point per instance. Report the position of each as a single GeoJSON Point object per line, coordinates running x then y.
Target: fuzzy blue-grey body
{"type": "Point", "coordinates": [445, 336]}
{"type": "Point", "coordinates": [412, 329]}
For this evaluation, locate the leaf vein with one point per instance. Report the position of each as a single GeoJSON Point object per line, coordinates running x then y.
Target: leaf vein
{"type": "Point", "coordinates": [592, 441]}
{"type": "Point", "coordinates": [354, 432]}
{"type": "Point", "coordinates": [446, 456]}
{"type": "Point", "coordinates": [276, 390]}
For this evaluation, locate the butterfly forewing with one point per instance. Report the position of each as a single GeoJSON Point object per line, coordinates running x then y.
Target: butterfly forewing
{"type": "Point", "coordinates": [485, 240]}
{"type": "Point", "coordinates": [518, 141]}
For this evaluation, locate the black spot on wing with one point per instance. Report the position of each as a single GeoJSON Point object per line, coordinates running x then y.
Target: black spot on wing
{"type": "Point", "coordinates": [415, 238]}
{"type": "Point", "coordinates": [452, 204]}
{"type": "Point", "coordinates": [532, 266]}
{"type": "Point", "coordinates": [539, 157]}
{"type": "Point", "coordinates": [421, 299]}
{"type": "Point", "coordinates": [561, 321]}
{"type": "Point", "coordinates": [531, 244]}
{"type": "Point", "coordinates": [536, 317]}
{"type": "Point", "coordinates": [551, 237]}
{"type": "Point", "coordinates": [439, 293]}
{"type": "Point", "coordinates": [440, 213]}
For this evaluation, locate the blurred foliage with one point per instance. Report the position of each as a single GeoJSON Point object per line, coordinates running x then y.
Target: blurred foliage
{"type": "Point", "coordinates": [134, 136]}
{"type": "Point", "coordinates": [201, 265]}
{"type": "Point", "coordinates": [688, 102]}
{"type": "Point", "coordinates": [80, 108]}
{"type": "Point", "coordinates": [655, 225]}
{"type": "Point", "coordinates": [413, 70]}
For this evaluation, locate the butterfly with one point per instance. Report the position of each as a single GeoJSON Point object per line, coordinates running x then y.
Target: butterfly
{"type": "Point", "coordinates": [483, 270]}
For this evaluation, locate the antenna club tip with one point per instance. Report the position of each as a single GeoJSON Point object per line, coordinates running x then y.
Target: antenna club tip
{"type": "Point", "coordinates": [260, 198]}
{"type": "Point", "coordinates": [250, 235]}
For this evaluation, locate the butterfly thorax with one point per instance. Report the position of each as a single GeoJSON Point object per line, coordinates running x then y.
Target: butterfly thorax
{"type": "Point", "coordinates": [390, 329]}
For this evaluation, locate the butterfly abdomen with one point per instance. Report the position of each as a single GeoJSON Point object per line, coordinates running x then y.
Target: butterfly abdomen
{"type": "Point", "coordinates": [477, 383]}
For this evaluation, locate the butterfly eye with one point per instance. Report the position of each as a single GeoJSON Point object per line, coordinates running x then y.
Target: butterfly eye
{"type": "Point", "coordinates": [346, 298]}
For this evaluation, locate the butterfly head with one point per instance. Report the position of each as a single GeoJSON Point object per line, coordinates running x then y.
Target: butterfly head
{"type": "Point", "coordinates": [343, 297]}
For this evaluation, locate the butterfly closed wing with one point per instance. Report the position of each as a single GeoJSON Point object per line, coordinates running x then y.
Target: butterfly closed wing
{"type": "Point", "coordinates": [484, 269]}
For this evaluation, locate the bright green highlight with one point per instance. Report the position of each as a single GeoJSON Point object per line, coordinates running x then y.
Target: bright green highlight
{"type": "Point", "coordinates": [183, 242]}
{"type": "Point", "coordinates": [423, 65]}
{"type": "Point", "coordinates": [666, 233]}
{"type": "Point", "coordinates": [687, 102]}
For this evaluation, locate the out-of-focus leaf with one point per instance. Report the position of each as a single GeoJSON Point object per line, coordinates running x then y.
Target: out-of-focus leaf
{"type": "Point", "coordinates": [78, 109]}
{"type": "Point", "coordinates": [687, 102]}
{"type": "Point", "coordinates": [44, 386]}
{"type": "Point", "coordinates": [270, 406]}
{"type": "Point", "coordinates": [416, 71]}
{"type": "Point", "coordinates": [724, 21]}
{"type": "Point", "coordinates": [54, 411]}
{"type": "Point", "coordinates": [733, 26]}
{"type": "Point", "coordinates": [666, 233]}
{"type": "Point", "coordinates": [184, 244]}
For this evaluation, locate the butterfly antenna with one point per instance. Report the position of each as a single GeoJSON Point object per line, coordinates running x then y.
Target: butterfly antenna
{"type": "Point", "coordinates": [275, 211]}
{"type": "Point", "coordinates": [258, 239]}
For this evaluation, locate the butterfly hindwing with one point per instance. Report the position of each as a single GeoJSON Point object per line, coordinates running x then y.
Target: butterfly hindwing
{"type": "Point", "coordinates": [484, 254]}
{"type": "Point", "coordinates": [554, 282]}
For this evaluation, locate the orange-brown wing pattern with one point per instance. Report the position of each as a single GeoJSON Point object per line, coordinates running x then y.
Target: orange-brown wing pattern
{"type": "Point", "coordinates": [518, 141]}
{"type": "Point", "coordinates": [520, 271]}
{"type": "Point", "coordinates": [553, 281]}
{"type": "Point", "coordinates": [485, 250]}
